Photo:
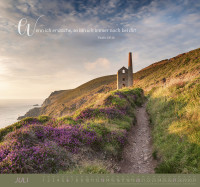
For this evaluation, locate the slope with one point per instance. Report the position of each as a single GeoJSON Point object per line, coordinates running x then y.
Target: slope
{"type": "Point", "coordinates": [184, 66]}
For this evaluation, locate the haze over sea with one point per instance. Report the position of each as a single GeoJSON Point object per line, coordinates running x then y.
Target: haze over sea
{"type": "Point", "coordinates": [11, 109]}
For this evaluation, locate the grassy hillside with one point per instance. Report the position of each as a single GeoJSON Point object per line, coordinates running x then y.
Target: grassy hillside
{"type": "Point", "coordinates": [175, 117]}
{"type": "Point", "coordinates": [174, 108]}
{"type": "Point", "coordinates": [184, 66]}
{"type": "Point", "coordinates": [85, 128]}
{"type": "Point", "coordinates": [65, 102]}
{"type": "Point", "coordinates": [87, 142]}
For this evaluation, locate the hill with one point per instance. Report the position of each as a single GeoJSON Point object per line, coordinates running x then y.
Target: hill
{"type": "Point", "coordinates": [173, 88]}
{"type": "Point", "coordinates": [90, 123]}
{"type": "Point", "coordinates": [182, 67]}
{"type": "Point", "coordinates": [90, 141]}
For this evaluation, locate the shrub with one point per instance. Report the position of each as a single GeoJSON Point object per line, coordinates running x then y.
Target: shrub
{"type": "Point", "coordinates": [43, 119]}
{"type": "Point", "coordinates": [91, 113]}
{"type": "Point", "coordinates": [45, 157]}
{"type": "Point", "coordinates": [17, 125]}
{"type": "Point", "coordinates": [67, 120]}
{"type": "Point", "coordinates": [88, 168]}
{"type": "Point", "coordinates": [34, 139]}
{"type": "Point", "coordinates": [46, 145]}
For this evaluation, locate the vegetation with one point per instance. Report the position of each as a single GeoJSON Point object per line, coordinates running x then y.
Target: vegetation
{"type": "Point", "coordinates": [175, 117]}
{"type": "Point", "coordinates": [91, 122]}
{"type": "Point", "coordinates": [174, 111]}
{"type": "Point", "coordinates": [82, 143]}
{"type": "Point", "coordinates": [65, 102]}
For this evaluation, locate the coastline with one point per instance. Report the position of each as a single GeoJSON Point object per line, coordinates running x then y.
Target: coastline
{"type": "Point", "coordinates": [12, 109]}
{"type": "Point", "coordinates": [34, 112]}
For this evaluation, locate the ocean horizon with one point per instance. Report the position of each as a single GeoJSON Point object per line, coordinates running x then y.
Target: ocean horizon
{"type": "Point", "coordinates": [11, 109]}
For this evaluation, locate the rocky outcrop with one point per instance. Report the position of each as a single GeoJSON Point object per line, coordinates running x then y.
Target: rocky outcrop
{"type": "Point", "coordinates": [46, 102]}
{"type": "Point", "coordinates": [36, 105]}
{"type": "Point", "coordinates": [53, 96]}
{"type": "Point", "coordinates": [34, 112]}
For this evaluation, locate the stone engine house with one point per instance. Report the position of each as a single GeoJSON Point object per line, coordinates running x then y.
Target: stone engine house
{"type": "Point", "coordinates": [124, 75]}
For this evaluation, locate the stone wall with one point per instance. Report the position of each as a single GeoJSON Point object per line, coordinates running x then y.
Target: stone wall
{"type": "Point", "coordinates": [122, 78]}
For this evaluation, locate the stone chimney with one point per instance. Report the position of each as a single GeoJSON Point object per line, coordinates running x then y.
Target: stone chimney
{"type": "Point", "coordinates": [130, 70]}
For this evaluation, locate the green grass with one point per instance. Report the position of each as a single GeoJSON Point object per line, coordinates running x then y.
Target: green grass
{"type": "Point", "coordinates": [174, 111]}
{"type": "Point", "coordinates": [110, 129]}
{"type": "Point", "coordinates": [173, 107]}
{"type": "Point", "coordinates": [88, 168]}
{"type": "Point", "coordinates": [66, 102]}
{"type": "Point", "coordinates": [15, 126]}
{"type": "Point", "coordinates": [104, 126]}
{"type": "Point", "coordinates": [109, 122]}
{"type": "Point", "coordinates": [175, 68]}
{"type": "Point", "coordinates": [175, 117]}
{"type": "Point", "coordinates": [43, 119]}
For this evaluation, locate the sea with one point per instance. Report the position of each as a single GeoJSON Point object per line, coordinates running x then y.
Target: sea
{"type": "Point", "coordinates": [11, 109]}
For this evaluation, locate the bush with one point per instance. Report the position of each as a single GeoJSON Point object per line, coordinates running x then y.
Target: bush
{"type": "Point", "coordinates": [45, 144]}
{"type": "Point", "coordinates": [45, 157]}
{"type": "Point", "coordinates": [92, 113]}
{"type": "Point", "coordinates": [17, 125]}
{"type": "Point", "coordinates": [43, 119]}
{"type": "Point", "coordinates": [88, 168]}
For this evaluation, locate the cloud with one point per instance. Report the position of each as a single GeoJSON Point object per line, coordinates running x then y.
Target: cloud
{"type": "Point", "coordinates": [47, 61]}
{"type": "Point", "coordinates": [101, 64]}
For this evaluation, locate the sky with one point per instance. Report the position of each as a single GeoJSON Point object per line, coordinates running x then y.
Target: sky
{"type": "Point", "coordinates": [32, 67]}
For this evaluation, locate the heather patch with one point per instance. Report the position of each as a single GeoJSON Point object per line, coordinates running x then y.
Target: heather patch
{"type": "Point", "coordinates": [50, 145]}
{"type": "Point", "coordinates": [46, 157]}
{"type": "Point", "coordinates": [34, 145]}
{"type": "Point", "coordinates": [91, 113]}
{"type": "Point", "coordinates": [17, 125]}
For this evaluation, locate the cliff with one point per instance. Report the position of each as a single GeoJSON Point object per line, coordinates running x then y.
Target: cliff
{"type": "Point", "coordinates": [96, 119]}
{"type": "Point", "coordinates": [66, 102]}
{"type": "Point", "coordinates": [34, 112]}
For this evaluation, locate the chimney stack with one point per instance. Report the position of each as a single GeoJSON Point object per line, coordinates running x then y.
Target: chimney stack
{"type": "Point", "coordinates": [130, 60]}
{"type": "Point", "coordinates": [130, 70]}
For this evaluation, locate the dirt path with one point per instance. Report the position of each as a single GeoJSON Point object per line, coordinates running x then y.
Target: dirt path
{"type": "Point", "coordinates": [137, 155]}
